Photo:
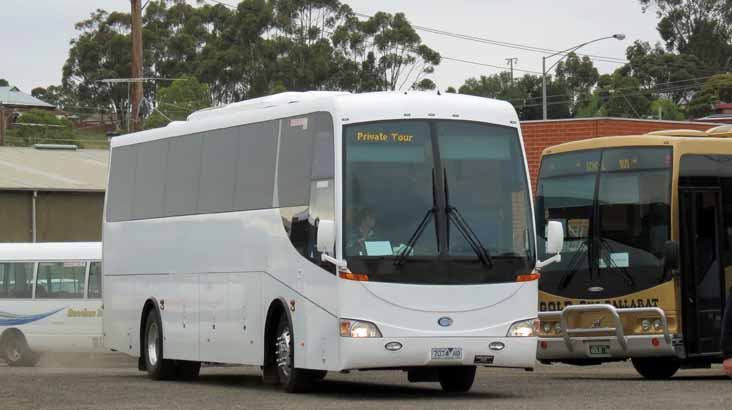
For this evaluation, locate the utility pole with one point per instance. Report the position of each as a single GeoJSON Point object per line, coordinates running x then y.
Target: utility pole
{"type": "Point", "coordinates": [511, 62]}
{"type": "Point", "coordinates": [2, 125]}
{"type": "Point", "coordinates": [136, 91]}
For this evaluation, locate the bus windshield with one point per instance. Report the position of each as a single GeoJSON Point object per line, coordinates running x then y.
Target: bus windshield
{"type": "Point", "coordinates": [614, 205]}
{"type": "Point", "coordinates": [402, 178]}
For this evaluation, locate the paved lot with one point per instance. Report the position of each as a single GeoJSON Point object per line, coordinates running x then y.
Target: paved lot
{"type": "Point", "coordinates": [113, 383]}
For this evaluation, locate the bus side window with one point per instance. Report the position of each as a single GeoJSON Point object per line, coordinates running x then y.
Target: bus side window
{"type": "Point", "coordinates": [16, 280]}
{"type": "Point", "coordinates": [60, 280]}
{"type": "Point", "coordinates": [95, 281]}
{"type": "Point", "coordinates": [306, 182]}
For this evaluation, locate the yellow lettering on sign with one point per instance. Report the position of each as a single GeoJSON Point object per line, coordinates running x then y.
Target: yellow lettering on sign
{"type": "Point", "coordinates": [381, 137]}
{"type": "Point", "coordinates": [624, 163]}
{"type": "Point", "coordinates": [81, 313]}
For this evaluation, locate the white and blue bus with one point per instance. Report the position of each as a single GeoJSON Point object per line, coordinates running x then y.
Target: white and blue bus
{"type": "Point", "coordinates": [50, 299]}
{"type": "Point", "coordinates": [323, 231]}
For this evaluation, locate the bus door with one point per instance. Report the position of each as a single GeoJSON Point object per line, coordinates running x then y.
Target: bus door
{"type": "Point", "coordinates": [702, 279]}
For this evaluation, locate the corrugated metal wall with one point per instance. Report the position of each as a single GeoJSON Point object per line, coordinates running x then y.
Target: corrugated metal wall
{"type": "Point", "coordinates": [60, 216]}
{"type": "Point", "coordinates": [16, 216]}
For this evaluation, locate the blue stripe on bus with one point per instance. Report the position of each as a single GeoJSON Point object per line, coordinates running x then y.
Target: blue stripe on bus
{"type": "Point", "coordinates": [9, 319]}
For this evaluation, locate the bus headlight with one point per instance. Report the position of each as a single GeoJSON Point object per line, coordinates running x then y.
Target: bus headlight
{"type": "Point", "coordinates": [646, 325]}
{"type": "Point", "coordinates": [657, 325]}
{"type": "Point", "coordinates": [547, 327]}
{"type": "Point", "coordinates": [558, 327]}
{"type": "Point", "coordinates": [523, 328]}
{"type": "Point", "coordinates": [358, 329]}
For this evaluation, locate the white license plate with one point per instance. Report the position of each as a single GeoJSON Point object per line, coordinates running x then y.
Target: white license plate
{"type": "Point", "coordinates": [599, 350]}
{"type": "Point", "coordinates": [447, 353]}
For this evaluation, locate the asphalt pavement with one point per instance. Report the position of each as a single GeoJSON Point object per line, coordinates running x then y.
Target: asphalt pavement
{"type": "Point", "coordinates": [112, 382]}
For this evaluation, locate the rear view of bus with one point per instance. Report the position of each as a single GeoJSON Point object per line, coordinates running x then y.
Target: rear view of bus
{"type": "Point", "coordinates": [350, 232]}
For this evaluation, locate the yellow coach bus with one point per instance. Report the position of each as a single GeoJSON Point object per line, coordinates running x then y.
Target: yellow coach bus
{"type": "Point", "coordinates": [647, 255]}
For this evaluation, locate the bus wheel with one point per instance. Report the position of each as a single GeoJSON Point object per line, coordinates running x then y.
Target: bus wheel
{"type": "Point", "coordinates": [458, 379]}
{"type": "Point", "coordinates": [656, 368]}
{"type": "Point", "coordinates": [152, 349]}
{"type": "Point", "coordinates": [16, 350]}
{"type": "Point", "coordinates": [292, 379]}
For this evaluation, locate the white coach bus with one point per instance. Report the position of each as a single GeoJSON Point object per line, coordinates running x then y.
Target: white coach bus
{"type": "Point", "coordinates": [322, 231]}
{"type": "Point", "coordinates": [50, 299]}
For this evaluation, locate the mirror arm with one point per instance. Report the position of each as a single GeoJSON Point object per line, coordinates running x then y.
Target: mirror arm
{"type": "Point", "coordinates": [339, 263]}
{"type": "Point", "coordinates": [541, 264]}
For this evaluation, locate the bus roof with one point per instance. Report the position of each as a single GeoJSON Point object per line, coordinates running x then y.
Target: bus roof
{"type": "Point", "coordinates": [350, 108]}
{"type": "Point", "coordinates": [50, 251]}
{"type": "Point", "coordinates": [669, 138]}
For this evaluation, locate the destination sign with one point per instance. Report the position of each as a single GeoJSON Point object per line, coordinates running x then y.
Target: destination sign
{"type": "Point", "coordinates": [384, 137]}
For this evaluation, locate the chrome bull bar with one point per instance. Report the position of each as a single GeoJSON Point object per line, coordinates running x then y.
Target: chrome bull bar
{"type": "Point", "coordinates": [614, 314]}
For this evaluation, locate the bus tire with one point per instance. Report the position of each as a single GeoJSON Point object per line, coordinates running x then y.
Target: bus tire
{"type": "Point", "coordinates": [157, 367]}
{"type": "Point", "coordinates": [456, 379]}
{"type": "Point", "coordinates": [187, 370]}
{"type": "Point", "coordinates": [292, 379]}
{"type": "Point", "coordinates": [656, 368]}
{"type": "Point", "coordinates": [16, 351]}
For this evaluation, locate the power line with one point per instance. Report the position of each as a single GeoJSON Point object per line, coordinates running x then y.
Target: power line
{"type": "Point", "coordinates": [488, 65]}
{"type": "Point", "coordinates": [517, 46]}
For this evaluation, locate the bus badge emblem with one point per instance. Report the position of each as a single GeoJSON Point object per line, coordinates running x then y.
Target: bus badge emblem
{"type": "Point", "coordinates": [596, 323]}
{"type": "Point", "coordinates": [444, 321]}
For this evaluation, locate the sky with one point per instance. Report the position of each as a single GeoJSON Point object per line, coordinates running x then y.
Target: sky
{"type": "Point", "coordinates": [36, 33]}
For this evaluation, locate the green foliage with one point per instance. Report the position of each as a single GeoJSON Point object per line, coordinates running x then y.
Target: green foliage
{"type": "Point", "coordinates": [40, 127]}
{"type": "Point", "coordinates": [179, 100]}
{"type": "Point", "coordinates": [670, 75]}
{"type": "Point", "coordinates": [258, 48]}
{"type": "Point", "coordinates": [524, 93]}
{"type": "Point", "coordinates": [4, 82]}
{"type": "Point", "coordinates": [702, 28]}
{"type": "Point", "coordinates": [663, 109]}
{"type": "Point", "coordinates": [58, 96]}
{"type": "Point", "coordinates": [451, 90]}
{"type": "Point", "coordinates": [577, 76]}
{"type": "Point", "coordinates": [717, 89]}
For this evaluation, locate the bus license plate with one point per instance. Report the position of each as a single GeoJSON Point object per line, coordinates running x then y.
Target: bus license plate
{"type": "Point", "coordinates": [447, 353]}
{"type": "Point", "coordinates": [599, 350]}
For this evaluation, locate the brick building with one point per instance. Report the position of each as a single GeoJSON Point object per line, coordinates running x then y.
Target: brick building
{"type": "Point", "coordinates": [542, 134]}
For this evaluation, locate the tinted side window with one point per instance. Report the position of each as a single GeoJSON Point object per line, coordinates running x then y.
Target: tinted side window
{"type": "Point", "coordinates": [256, 166]}
{"type": "Point", "coordinates": [182, 175]}
{"type": "Point", "coordinates": [60, 280]}
{"type": "Point", "coordinates": [295, 161]}
{"type": "Point", "coordinates": [302, 223]}
{"type": "Point", "coordinates": [218, 171]}
{"type": "Point", "coordinates": [150, 180]}
{"type": "Point", "coordinates": [95, 280]}
{"type": "Point", "coordinates": [121, 183]}
{"type": "Point", "coordinates": [16, 280]}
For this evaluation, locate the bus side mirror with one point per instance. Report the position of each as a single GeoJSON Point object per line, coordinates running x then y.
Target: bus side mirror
{"type": "Point", "coordinates": [554, 237]}
{"type": "Point", "coordinates": [325, 242]}
{"type": "Point", "coordinates": [554, 243]}
{"type": "Point", "coordinates": [671, 256]}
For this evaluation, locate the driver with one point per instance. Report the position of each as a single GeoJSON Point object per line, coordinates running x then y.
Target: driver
{"type": "Point", "coordinates": [364, 231]}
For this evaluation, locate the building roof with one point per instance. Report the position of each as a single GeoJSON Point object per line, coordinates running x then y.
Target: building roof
{"type": "Point", "coordinates": [24, 168]}
{"type": "Point", "coordinates": [14, 97]}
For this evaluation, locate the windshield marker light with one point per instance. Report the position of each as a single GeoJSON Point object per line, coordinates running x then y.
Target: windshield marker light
{"type": "Point", "coordinates": [528, 278]}
{"type": "Point", "coordinates": [354, 276]}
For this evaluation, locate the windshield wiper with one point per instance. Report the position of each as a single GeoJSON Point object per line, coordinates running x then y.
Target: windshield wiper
{"type": "Point", "coordinates": [469, 235]}
{"type": "Point", "coordinates": [402, 257]}
{"type": "Point", "coordinates": [574, 265]}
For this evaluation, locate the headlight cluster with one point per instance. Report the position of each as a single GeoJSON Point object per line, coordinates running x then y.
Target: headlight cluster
{"type": "Point", "coordinates": [524, 328]}
{"type": "Point", "coordinates": [551, 327]}
{"type": "Point", "coordinates": [647, 325]}
{"type": "Point", "coordinates": [358, 329]}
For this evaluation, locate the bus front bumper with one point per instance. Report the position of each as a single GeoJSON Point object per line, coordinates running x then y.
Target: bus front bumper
{"type": "Point", "coordinates": [602, 348]}
{"type": "Point", "coordinates": [362, 354]}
